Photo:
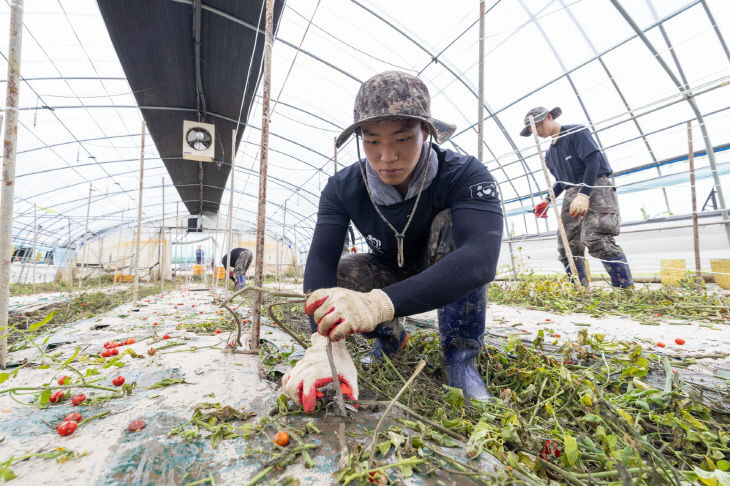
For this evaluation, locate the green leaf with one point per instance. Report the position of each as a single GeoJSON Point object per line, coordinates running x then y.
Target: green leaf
{"type": "Point", "coordinates": [723, 465]}
{"type": "Point", "coordinates": [44, 367]}
{"type": "Point", "coordinates": [45, 321]}
{"type": "Point", "coordinates": [4, 376]}
{"type": "Point", "coordinates": [167, 382]}
{"type": "Point", "coordinates": [714, 478]}
{"type": "Point", "coordinates": [73, 357]}
{"type": "Point", "coordinates": [384, 447]}
{"type": "Point", "coordinates": [454, 397]}
{"type": "Point", "coordinates": [571, 449]}
{"type": "Point", "coordinates": [45, 397]}
{"type": "Point", "coordinates": [312, 428]}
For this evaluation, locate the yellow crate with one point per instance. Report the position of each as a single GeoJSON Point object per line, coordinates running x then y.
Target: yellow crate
{"type": "Point", "coordinates": [120, 277]}
{"type": "Point", "coordinates": [673, 270]}
{"type": "Point", "coordinates": [220, 273]}
{"type": "Point", "coordinates": [197, 269]}
{"type": "Point", "coordinates": [721, 270]}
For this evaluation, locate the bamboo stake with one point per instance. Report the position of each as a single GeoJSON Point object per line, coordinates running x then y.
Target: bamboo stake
{"type": "Point", "coordinates": [68, 249]}
{"type": "Point", "coordinates": [10, 145]}
{"type": "Point", "coordinates": [561, 228]}
{"type": "Point", "coordinates": [162, 235]}
{"type": "Point", "coordinates": [261, 221]}
{"type": "Point", "coordinates": [695, 230]}
{"type": "Point", "coordinates": [283, 231]}
{"type": "Point", "coordinates": [100, 249]}
{"type": "Point", "coordinates": [86, 232]}
{"type": "Point", "coordinates": [35, 239]}
{"type": "Point", "coordinates": [135, 288]}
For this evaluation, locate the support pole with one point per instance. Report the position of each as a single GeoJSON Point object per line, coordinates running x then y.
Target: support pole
{"type": "Point", "coordinates": [101, 262]}
{"type": "Point", "coordinates": [215, 252]}
{"type": "Point", "coordinates": [68, 248]}
{"type": "Point", "coordinates": [261, 221]}
{"type": "Point", "coordinates": [163, 247]}
{"type": "Point", "coordinates": [296, 258]}
{"type": "Point", "coordinates": [695, 230]}
{"type": "Point", "coordinates": [135, 288]}
{"type": "Point", "coordinates": [177, 236]}
{"type": "Point", "coordinates": [120, 258]}
{"type": "Point", "coordinates": [283, 231]}
{"type": "Point", "coordinates": [229, 223]}
{"type": "Point", "coordinates": [86, 232]}
{"type": "Point", "coordinates": [35, 240]}
{"type": "Point", "coordinates": [480, 113]}
{"type": "Point", "coordinates": [10, 146]}
{"type": "Point", "coordinates": [561, 228]}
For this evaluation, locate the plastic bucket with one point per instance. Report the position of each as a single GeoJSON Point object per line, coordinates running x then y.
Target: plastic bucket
{"type": "Point", "coordinates": [721, 270]}
{"type": "Point", "coordinates": [673, 270]}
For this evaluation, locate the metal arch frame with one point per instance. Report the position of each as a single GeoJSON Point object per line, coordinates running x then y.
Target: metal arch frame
{"type": "Point", "coordinates": [716, 29]}
{"type": "Point", "coordinates": [621, 96]}
{"type": "Point", "coordinates": [689, 97]}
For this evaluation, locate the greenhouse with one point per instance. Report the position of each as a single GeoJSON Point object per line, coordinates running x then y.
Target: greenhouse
{"type": "Point", "coordinates": [361, 242]}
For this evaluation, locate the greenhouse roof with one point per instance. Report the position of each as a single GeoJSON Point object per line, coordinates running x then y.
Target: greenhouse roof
{"type": "Point", "coordinates": [633, 72]}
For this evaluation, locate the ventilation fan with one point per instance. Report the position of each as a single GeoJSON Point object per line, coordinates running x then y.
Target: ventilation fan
{"type": "Point", "coordinates": [198, 141]}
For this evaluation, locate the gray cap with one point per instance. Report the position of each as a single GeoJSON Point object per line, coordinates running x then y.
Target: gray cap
{"type": "Point", "coordinates": [539, 113]}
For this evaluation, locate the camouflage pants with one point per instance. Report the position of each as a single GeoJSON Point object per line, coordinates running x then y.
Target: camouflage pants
{"type": "Point", "coordinates": [242, 262]}
{"type": "Point", "coordinates": [364, 271]}
{"type": "Point", "coordinates": [597, 229]}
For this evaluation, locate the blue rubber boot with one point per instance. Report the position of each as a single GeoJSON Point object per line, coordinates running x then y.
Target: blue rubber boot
{"type": "Point", "coordinates": [619, 271]}
{"type": "Point", "coordinates": [580, 265]}
{"type": "Point", "coordinates": [461, 325]}
{"type": "Point", "coordinates": [390, 337]}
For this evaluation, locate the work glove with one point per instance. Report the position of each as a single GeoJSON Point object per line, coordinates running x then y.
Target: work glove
{"type": "Point", "coordinates": [313, 371]}
{"type": "Point", "coordinates": [339, 312]}
{"type": "Point", "coordinates": [579, 206]}
{"type": "Point", "coordinates": [240, 281]}
{"type": "Point", "coordinates": [541, 209]}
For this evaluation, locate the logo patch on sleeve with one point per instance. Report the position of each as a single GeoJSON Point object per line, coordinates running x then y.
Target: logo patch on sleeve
{"type": "Point", "coordinates": [484, 190]}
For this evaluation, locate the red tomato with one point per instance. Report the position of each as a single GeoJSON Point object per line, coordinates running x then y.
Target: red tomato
{"type": "Point", "coordinates": [166, 336]}
{"type": "Point", "coordinates": [77, 399]}
{"type": "Point", "coordinates": [107, 345]}
{"type": "Point", "coordinates": [556, 335]}
{"type": "Point", "coordinates": [136, 425]}
{"type": "Point", "coordinates": [55, 397]}
{"type": "Point", "coordinates": [67, 427]}
{"type": "Point", "coordinates": [63, 380]}
{"type": "Point", "coordinates": [547, 319]}
{"type": "Point", "coordinates": [155, 323]}
{"type": "Point", "coordinates": [193, 305]}
{"type": "Point", "coordinates": [115, 352]}
{"type": "Point", "coordinates": [73, 417]}
{"type": "Point", "coordinates": [151, 351]}
{"type": "Point", "coordinates": [106, 354]}
{"type": "Point", "coordinates": [83, 304]}
{"type": "Point", "coordinates": [217, 331]}
{"type": "Point", "coordinates": [679, 341]}
{"type": "Point", "coordinates": [131, 341]}
{"type": "Point", "coordinates": [118, 381]}
{"type": "Point", "coordinates": [660, 344]}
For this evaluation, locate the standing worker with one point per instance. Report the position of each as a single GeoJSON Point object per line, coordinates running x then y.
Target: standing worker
{"type": "Point", "coordinates": [240, 261]}
{"type": "Point", "coordinates": [433, 223]}
{"type": "Point", "coordinates": [590, 210]}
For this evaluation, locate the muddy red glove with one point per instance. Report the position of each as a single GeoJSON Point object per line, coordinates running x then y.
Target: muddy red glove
{"type": "Point", "coordinates": [339, 312]}
{"type": "Point", "coordinates": [301, 383]}
{"type": "Point", "coordinates": [541, 209]}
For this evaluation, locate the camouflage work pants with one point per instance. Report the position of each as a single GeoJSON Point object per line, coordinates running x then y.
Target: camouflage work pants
{"type": "Point", "coordinates": [597, 229]}
{"type": "Point", "coordinates": [364, 271]}
{"type": "Point", "coordinates": [242, 262]}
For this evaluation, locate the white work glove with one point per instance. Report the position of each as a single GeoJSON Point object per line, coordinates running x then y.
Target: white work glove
{"type": "Point", "coordinates": [313, 371]}
{"type": "Point", "coordinates": [579, 206]}
{"type": "Point", "coordinates": [339, 312]}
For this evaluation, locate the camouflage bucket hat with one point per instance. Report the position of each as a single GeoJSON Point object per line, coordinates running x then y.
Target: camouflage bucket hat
{"type": "Point", "coordinates": [393, 95]}
{"type": "Point", "coordinates": [539, 114]}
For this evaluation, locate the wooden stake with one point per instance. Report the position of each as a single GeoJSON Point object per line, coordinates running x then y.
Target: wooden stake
{"type": "Point", "coordinates": [135, 288]}
{"type": "Point", "coordinates": [229, 224]}
{"type": "Point", "coordinates": [120, 259]}
{"type": "Point", "coordinates": [10, 146]}
{"type": "Point", "coordinates": [68, 252]}
{"type": "Point", "coordinates": [215, 252]}
{"type": "Point", "coordinates": [561, 228]}
{"type": "Point", "coordinates": [162, 236]}
{"type": "Point", "coordinates": [283, 231]}
{"type": "Point", "coordinates": [86, 232]}
{"type": "Point", "coordinates": [695, 230]}
{"type": "Point", "coordinates": [261, 220]}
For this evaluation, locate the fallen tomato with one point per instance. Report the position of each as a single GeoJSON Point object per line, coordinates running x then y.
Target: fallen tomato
{"type": "Point", "coordinates": [118, 381]}
{"type": "Point", "coordinates": [679, 341]}
{"type": "Point", "coordinates": [73, 417]}
{"type": "Point", "coordinates": [281, 438]}
{"type": "Point", "coordinates": [217, 331]}
{"type": "Point", "coordinates": [550, 450]}
{"type": "Point", "coordinates": [64, 379]}
{"type": "Point", "coordinates": [106, 354]}
{"type": "Point", "coordinates": [131, 341]}
{"type": "Point", "coordinates": [151, 351]}
{"type": "Point", "coordinates": [66, 428]}
{"type": "Point", "coordinates": [556, 335]}
{"type": "Point", "coordinates": [136, 425]}
{"type": "Point", "coordinates": [55, 397]}
{"type": "Point", "coordinates": [77, 399]}
{"type": "Point", "coordinates": [155, 323]}
{"type": "Point", "coordinates": [115, 352]}
{"type": "Point", "coordinates": [107, 345]}
{"type": "Point", "coordinates": [166, 336]}
{"type": "Point", "coordinates": [83, 304]}
{"type": "Point", "coordinates": [660, 344]}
